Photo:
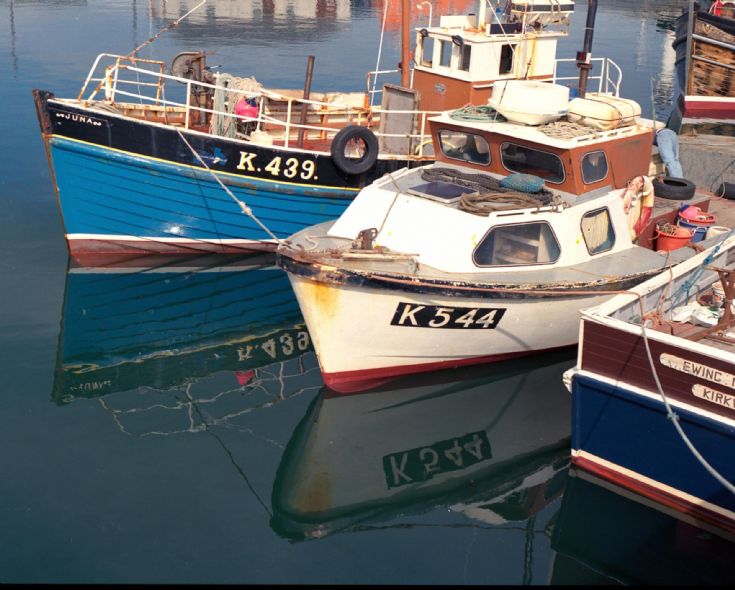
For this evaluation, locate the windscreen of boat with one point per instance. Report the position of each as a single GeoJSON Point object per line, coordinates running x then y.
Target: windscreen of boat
{"type": "Point", "coordinates": [527, 160]}
{"type": "Point", "coordinates": [468, 147]}
{"type": "Point", "coordinates": [517, 244]}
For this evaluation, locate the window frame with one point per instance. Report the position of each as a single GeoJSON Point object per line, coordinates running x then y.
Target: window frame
{"type": "Point", "coordinates": [468, 134]}
{"type": "Point", "coordinates": [610, 225]}
{"type": "Point", "coordinates": [512, 48]}
{"type": "Point", "coordinates": [525, 147]}
{"type": "Point", "coordinates": [607, 166]}
{"type": "Point", "coordinates": [443, 43]}
{"type": "Point", "coordinates": [501, 226]}
{"type": "Point", "coordinates": [466, 47]}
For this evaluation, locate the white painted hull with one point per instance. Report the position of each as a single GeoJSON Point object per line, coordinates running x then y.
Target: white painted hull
{"type": "Point", "coordinates": [355, 339]}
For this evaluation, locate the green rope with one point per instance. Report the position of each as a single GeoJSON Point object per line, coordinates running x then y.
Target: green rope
{"type": "Point", "coordinates": [477, 113]}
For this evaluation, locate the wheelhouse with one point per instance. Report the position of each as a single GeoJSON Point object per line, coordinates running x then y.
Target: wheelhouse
{"type": "Point", "coordinates": [575, 165]}
{"type": "Point", "coordinates": [465, 54]}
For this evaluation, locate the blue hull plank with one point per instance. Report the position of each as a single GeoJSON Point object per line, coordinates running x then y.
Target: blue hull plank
{"type": "Point", "coordinates": [634, 432]}
{"type": "Point", "coordinates": [112, 194]}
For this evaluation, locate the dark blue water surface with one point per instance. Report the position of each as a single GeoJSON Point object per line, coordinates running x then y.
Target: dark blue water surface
{"type": "Point", "coordinates": [166, 422]}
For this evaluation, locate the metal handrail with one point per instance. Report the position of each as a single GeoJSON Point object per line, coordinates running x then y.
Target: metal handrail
{"type": "Point", "coordinates": [605, 79]}
{"type": "Point", "coordinates": [114, 85]}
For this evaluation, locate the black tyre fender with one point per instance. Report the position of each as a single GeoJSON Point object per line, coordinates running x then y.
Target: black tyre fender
{"type": "Point", "coordinates": [354, 165]}
{"type": "Point", "coordinates": [670, 187]}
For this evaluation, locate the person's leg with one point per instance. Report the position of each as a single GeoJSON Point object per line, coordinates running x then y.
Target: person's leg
{"type": "Point", "coordinates": [668, 148]}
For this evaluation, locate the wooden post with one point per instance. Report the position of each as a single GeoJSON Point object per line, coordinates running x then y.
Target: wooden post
{"type": "Point", "coordinates": [307, 93]}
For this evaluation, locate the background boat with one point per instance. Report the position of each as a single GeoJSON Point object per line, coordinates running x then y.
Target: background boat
{"type": "Point", "coordinates": [652, 390]}
{"type": "Point", "coordinates": [704, 107]}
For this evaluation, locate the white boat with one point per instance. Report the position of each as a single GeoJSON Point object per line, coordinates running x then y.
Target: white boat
{"type": "Point", "coordinates": [453, 264]}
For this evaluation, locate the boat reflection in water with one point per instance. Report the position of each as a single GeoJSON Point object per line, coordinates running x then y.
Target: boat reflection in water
{"type": "Point", "coordinates": [172, 331]}
{"type": "Point", "coordinates": [491, 442]}
{"type": "Point", "coordinates": [605, 534]}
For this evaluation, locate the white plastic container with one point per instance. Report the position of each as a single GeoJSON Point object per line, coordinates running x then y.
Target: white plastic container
{"type": "Point", "coordinates": [530, 102]}
{"type": "Point", "coordinates": [603, 111]}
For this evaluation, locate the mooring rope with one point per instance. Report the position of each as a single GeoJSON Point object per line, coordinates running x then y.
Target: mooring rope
{"type": "Point", "coordinates": [671, 415]}
{"type": "Point", "coordinates": [243, 206]}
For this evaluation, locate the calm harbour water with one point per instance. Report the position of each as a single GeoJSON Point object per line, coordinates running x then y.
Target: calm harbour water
{"type": "Point", "coordinates": [168, 424]}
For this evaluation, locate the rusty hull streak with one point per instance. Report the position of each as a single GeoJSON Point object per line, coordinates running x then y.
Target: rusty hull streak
{"type": "Point", "coordinates": [307, 265]}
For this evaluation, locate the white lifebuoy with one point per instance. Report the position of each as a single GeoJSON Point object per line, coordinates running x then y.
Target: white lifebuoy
{"type": "Point", "coordinates": [638, 204]}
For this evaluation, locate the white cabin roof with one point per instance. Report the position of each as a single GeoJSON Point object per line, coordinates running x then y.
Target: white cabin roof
{"type": "Point", "coordinates": [536, 135]}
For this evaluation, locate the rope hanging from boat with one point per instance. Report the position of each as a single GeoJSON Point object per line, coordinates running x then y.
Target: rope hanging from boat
{"type": "Point", "coordinates": [671, 415]}
{"type": "Point", "coordinates": [168, 27]}
{"type": "Point", "coordinates": [683, 292]}
{"type": "Point", "coordinates": [245, 209]}
{"type": "Point", "coordinates": [380, 51]}
{"type": "Point", "coordinates": [131, 55]}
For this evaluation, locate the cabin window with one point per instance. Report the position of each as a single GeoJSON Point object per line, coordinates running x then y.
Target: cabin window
{"type": "Point", "coordinates": [468, 147]}
{"type": "Point", "coordinates": [594, 167]}
{"type": "Point", "coordinates": [445, 53]}
{"type": "Point", "coordinates": [598, 231]}
{"type": "Point", "coordinates": [520, 158]}
{"type": "Point", "coordinates": [506, 59]}
{"type": "Point", "coordinates": [464, 57]}
{"type": "Point", "coordinates": [427, 51]}
{"type": "Point", "coordinates": [517, 244]}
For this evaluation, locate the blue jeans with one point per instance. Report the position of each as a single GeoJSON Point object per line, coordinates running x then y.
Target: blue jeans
{"type": "Point", "coordinates": [668, 148]}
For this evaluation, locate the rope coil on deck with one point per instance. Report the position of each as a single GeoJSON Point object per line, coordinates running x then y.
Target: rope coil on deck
{"type": "Point", "coordinates": [567, 130]}
{"type": "Point", "coordinates": [490, 195]}
{"type": "Point", "coordinates": [472, 112]}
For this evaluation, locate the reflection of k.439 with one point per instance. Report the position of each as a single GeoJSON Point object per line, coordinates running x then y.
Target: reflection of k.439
{"type": "Point", "coordinates": [279, 167]}
{"type": "Point", "coordinates": [436, 316]}
{"type": "Point", "coordinates": [279, 347]}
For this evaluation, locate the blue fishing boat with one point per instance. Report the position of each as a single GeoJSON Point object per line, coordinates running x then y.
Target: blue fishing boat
{"type": "Point", "coordinates": [152, 157]}
{"type": "Point", "coordinates": [653, 390]}
{"type": "Point", "coordinates": [167, 323]}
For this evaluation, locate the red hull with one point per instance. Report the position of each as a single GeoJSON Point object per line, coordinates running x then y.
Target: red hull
{"type": "Point", "coordinates": [359, 381]}
{"type": "Point", "coordinates": [659, 496]}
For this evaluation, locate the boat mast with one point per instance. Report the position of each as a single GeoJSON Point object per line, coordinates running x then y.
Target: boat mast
{"type": "Point", "coordinates": [584, 57]}
{"type": "Point", "coordinates": [405, 44]}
